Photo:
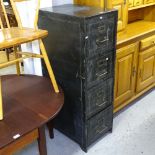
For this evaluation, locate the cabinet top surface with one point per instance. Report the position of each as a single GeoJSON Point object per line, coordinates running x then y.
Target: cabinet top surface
{"type": "Point", "coordinates": [75, 10]}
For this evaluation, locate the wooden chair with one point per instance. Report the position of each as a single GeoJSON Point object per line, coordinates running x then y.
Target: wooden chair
{"type": "Point", "coordinates": [15, 36]}
{"type": "Point", "coordinates": [4, 24]}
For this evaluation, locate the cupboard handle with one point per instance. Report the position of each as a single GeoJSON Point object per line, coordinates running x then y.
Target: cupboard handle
{"type": "Point", "coordinates": [134, 71]}
{"type": "Point", "coordinates": [153, 42]}
{"type": "Point", "coordinates": [140, 73]}
{"type": "Point", "coordinates": [124, 2]}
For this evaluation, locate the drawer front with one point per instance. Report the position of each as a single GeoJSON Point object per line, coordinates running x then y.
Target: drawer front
{"type": "Point", "coordinates": [99, 97]}
{"type": "Point", "coordinates": [100, 23]}
{"type": "Point", "coordinates": [148, 1]}
{"type": "Point", "coordinates": [145, 43]}
{"type": "Point", "coordinates": [131, 3]}
{"type": "Point", "coordinates": [99, 124]}
{"type": "Point", "coordinates": [99, 68]}
{"type": "Point", "coordinates": [138, 2]}
{"type": "Point", "coordinates": [100, 35]}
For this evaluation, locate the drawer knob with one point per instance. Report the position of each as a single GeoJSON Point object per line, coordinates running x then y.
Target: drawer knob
{"type": "Point", "coordinates": [153, 42]}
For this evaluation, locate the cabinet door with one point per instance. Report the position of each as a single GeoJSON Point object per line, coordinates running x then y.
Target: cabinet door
{"type": "Point", "coordinates": [125, 73]}
{"type": "Point", "coordinates": [121, 6]}
{"type": "Point", "coordinates": [146, 69]}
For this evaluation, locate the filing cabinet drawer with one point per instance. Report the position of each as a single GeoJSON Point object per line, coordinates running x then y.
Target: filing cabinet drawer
{"type": "Point", "coordinates": [131, 3]}
{"type": "Point", "coordinates": [148, 1]}
{"type": "Point", "coordinates": [99, 97]}
{"type": "Point", "coordinates": [102, 40]}
{"type": "Point", "coordinates": [145, 43]}
{"type": "Point", "coordinates": [98, 69]}
{"type": "Point", "coordinates": [100, 34]}
{"type": "Point", "coordinates": [99, 23]}
{"type": "Point", "coordinates": [138, 2]}
{"type": "Point", "coordinates": [99, 124]}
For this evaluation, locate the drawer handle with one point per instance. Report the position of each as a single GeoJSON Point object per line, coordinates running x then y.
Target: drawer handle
{"type": "Point", "coordinates": [100, 131]}
{"type": "Point", "coordinates": [99, 42]}
{"type": "Point", "coordinates": [100, 105]}
{"type": "Point", "coordinates": [137, 3]}
{"type": "Point", "coordinates": [153, 42]}
{"type": "Point", "coordinates": [101, 28]}
{"type": "Point", "coordinates": [100, 75]}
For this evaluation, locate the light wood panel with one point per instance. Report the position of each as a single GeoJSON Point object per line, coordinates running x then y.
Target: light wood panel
{"type": "Point", "coordinates": [15, 36]}
{"type": "Point", "coordinates": [148, 1]}
{"type": "Point", "coordinates": [141, 6]}
{"type": "Point", "coordinates": [148, 42]}
{"type": "Point", "coordinates": [125, 73]}
{"type": "Point", "coordinates": [136, 31]}
{"type": "Point", "coordinates": [138, 2]}
{"type": "Point", "coordinates": [146, 69]}
{"type": "Point", "coordinates": [131, 3]}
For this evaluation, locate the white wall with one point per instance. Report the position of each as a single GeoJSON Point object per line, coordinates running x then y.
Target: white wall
{"type": "Point", "coordinates": [33, 66]}
{"type": "Point", "coordinates": [59, 2]}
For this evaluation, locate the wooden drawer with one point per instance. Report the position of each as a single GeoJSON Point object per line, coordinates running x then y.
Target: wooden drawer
{"type": "Point", "coordinates": [131, 3]}
{"type": "Point", "coordinates": [148, 1]}
{"type": "Point", "coordinates": [138, 2]}
{"type": "Point", "coordinates": [145, 43]}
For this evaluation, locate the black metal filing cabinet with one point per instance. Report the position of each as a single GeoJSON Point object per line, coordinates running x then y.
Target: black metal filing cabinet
{"type": "Point", "coordinates": [81, 48]}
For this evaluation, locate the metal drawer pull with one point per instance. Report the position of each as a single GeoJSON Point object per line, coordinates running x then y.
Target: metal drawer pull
{"type": "Point", "coordinates": [100, 105]}
{"type": "Point", "coordinates": [100, 131]}
{"type": "Point", "coordinates": [101, 28]}
{"type": "Point", "coordinates": [99, 42]}
{"type": "Point", "coordinates": [100, 75]}
{"type": "Point", "coordinates": [101, 63]}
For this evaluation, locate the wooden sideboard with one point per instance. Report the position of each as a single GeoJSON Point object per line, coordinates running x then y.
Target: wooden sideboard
{"type": "Point", "coordinates": [135, 58]}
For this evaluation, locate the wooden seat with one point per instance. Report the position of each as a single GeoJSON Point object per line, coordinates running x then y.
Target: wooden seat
{"type": "Point", "coordinates": [15, 36]}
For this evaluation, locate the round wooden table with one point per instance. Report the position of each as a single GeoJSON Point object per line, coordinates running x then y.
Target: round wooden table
{"type": "Point", "coordinates": [29, 102]}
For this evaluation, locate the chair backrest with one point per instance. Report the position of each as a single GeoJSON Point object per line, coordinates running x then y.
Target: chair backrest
{"type": "Point", "coordinates": [3, 16]}
{"type": "Point", "coordinates": [17, 15]}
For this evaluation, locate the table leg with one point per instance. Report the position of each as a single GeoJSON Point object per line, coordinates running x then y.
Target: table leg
{"type": "Point", "coordinates": [1, 103]}
{"type": "Point", "coordinates": [50, 126]}
{"type": "Point", "coordinates": [42, 141]}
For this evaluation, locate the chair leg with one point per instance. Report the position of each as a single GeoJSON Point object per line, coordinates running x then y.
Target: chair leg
{"type": "Point", "coordinates": [48, 65]}
{"type": "Point", "coordinates": [42, 141]}
{"type": "Point", "coordinates": [1, 103]}
{"type": "Point", "coordinates": [7, 55]}
{"type": "Point", "coordinates": [17, 64]}
{"type": "Point", "coordinates": [50, 126]}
